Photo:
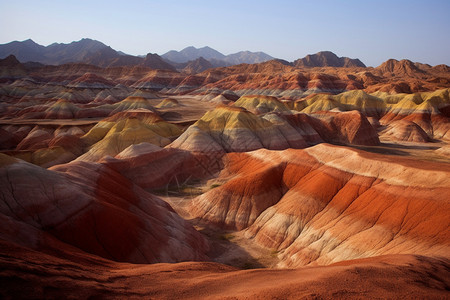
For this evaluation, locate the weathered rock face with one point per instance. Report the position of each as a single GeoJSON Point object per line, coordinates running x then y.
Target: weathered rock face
{"type": "Point", "coordinates": [237, 133]}
{"type": "Point", "coordinates": [252, 188]}
{"type": "Point", "coordinates": [168, 102]}
{"type": "Point", "coordinates": [261, 104]}
{"type": "Point", "coordinates": [113, 135]}
{"type": "Point", "coordinates": [234, 129]}
{"type": "Point", "coordinates": [403, 130]}
{"type": "Point", "coordinates": [43, 145]}
{"type": "Point", "coordinates": [393, 67]}
{"type": "Point", "coordinates": [150, 166]}
{"type": "Point", "coordinates": [429, 111]}
{"type": "Point", "coordinates": [328, 203]}
{"type": "Point", "coordinates": [345, 127]}
{"type": "Point", "coordinates": [95, 209]}
{"type": "Point", "coordinates": [353, 100]}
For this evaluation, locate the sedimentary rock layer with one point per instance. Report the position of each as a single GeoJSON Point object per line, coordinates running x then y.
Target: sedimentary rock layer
{"type": "Point", "coordinates": [90, 207]}
{"type": "Point", "coordinates": [327, 203]}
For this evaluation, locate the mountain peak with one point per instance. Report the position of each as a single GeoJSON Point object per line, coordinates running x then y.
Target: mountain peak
{"type": "Point", "coordinates": [9, 61]}
{"type": "Point", "coordinates": [29, 41]}
{"type": "Point", "coordinates": [395, 67]}
{"type": "Point", "coordinates": [206, 48]}
{"type": "Point", "coordinates": [191, 53]}
{"type": "Point", "coordinates": [247, 57]}
{"type": "Point", "coordinates": [188, 48]}
{"type": "Point", "coordinates": [327, 59]}
{"type": "Point", "coordinates": [154, 61]}
{"type": "Point", "coordinates": [325, 53]}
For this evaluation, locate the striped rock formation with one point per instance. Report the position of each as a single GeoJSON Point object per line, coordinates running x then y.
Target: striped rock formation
{"type": "Point", "coordinates": [61, 109]}
{"type": "Point", "coordinates": [426, 111]}
{"type": "Point", "coordinates": [429, 110]}
{"type": "Point", "coordinates": [326, 203]}
{"type": "Point", "coordinates": [131, 103]}
{"type": "Point", "coordinates": [234, 129]}
{"type": "Point", "coordinates": [403, 130]}
{"type": "Point", "coordinates": [89, 207]}
{"type": "Point", "coordinates": [114, 134]}
{"type": "Point", "coordinates": [44, 145]}
{"type": "Point", "coordinates": [258, 104]}
{"type": "Point", "coordinates": [152, 167]}
{"type": "Point", "coordinates": [369, 105]}
{"type": "Point", "coordinates": [168, 102]}
{"type": "Point", "coordinates": [350, 127]}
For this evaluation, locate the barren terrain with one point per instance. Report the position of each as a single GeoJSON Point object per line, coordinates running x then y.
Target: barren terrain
{"type": "Point", "coordinates": [253, 181]}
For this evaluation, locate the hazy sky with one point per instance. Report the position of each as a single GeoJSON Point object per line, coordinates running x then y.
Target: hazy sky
{"type": "Point", "coordinates": [370, 30]}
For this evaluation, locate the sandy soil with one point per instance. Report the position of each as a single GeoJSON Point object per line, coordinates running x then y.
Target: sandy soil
{"type": "Point", "coordinates": [27, 274]}
{"type": "Point", "coordinates": [227, 247]}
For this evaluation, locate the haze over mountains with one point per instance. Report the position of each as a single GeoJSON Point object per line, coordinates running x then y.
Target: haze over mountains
{"type": "Point", "coordinates": [192, 53]}
{"type": "Point", "coordinates": [190, 59]}
{"type": "Point", "coordinates": [95, 52]}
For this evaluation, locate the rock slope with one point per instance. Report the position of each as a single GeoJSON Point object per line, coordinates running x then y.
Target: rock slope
{"type": "Point", "coordinates": [327, 203]}
{"type": "Point", "coordinates": [94, 209]}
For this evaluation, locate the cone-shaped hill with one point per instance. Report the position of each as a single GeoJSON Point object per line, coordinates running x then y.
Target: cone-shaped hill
{"type": "Point", "coordinates": [168, 102]}
{"type": "Point", "coordinates": [259, 104]}
{"type": "Point", "coordinates": [132, 102]}
{"type": "Point", "coordinates": [234, 129]}
{"type": "Point", "coordinates": [112, 135]}
{"type": "Point", "coordinates": [61, 109]}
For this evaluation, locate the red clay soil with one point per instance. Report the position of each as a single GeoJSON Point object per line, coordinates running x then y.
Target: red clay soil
{"type": "Point", "coordinates": [27, 274]}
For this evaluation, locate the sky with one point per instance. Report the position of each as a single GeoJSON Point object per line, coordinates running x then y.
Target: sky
{"type": "Point", "coordinates": [370, 30]}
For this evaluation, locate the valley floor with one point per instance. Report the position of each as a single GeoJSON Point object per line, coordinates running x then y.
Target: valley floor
{"type": "Point", "coordinates": [27, 274]}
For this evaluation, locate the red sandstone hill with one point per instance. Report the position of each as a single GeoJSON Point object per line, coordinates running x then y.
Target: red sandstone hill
{"type": "Point", "coordinates": [327, 203]}
{"type": "Point", "coordinates": [327, 59]}
{"type": "Point", "coordinates": [94, 209]}
{"type": "Point", "coordinates": [393, 67]}
{"type": "Point", "coordinates": [90, 80]}
{"type": "Point", "coordinates": [271, 78]}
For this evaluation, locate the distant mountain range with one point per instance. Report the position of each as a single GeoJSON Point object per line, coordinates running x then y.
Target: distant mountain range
{"type": "Point", "coordinates": [215, 57]}
{"type": "Point", "coordinates": [190, 60]}
{"type": "Point", "coordinates": [84, 51]}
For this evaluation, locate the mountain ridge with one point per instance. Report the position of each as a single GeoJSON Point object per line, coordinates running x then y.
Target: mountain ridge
{"type": "Point", "coordinates": [97, 53]}
{"type": "Point", "coordinates": [191, 53]}
{"type": "Point", "coordinates": [327, 59]}
{"type": "Point", "coordinates": [195, 60]}
{"type": "Point", "coordinates": [86, 50]}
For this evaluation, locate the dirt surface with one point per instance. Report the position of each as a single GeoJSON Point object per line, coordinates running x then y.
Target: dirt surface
{"type": "Point", "coordinates": [27, 274]}
{"type": "Point", "coordinates": [227, 246]}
